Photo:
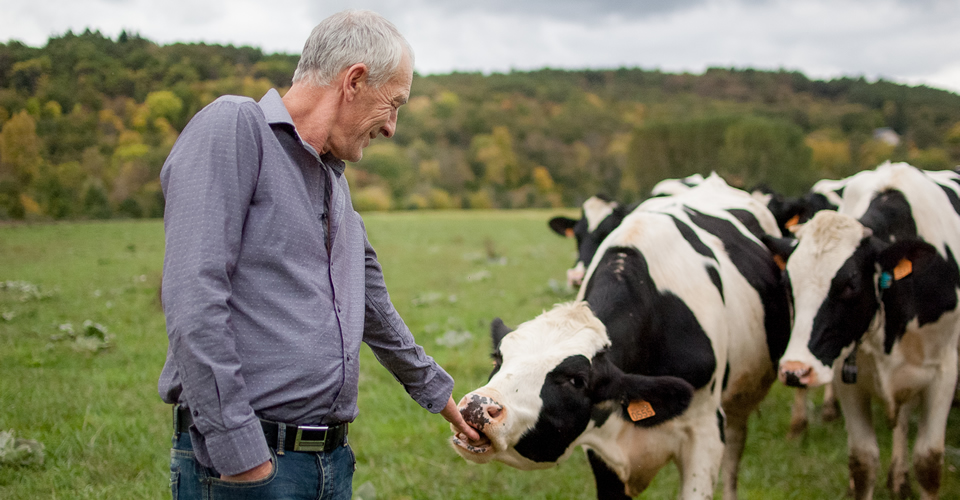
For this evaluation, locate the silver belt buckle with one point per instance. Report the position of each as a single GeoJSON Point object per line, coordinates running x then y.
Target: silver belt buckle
{"type": "Point", "coordinates": [310, 445]}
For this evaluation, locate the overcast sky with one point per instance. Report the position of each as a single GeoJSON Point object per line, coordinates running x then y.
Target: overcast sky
{"type": "Point", "coordinates": [907, 41]}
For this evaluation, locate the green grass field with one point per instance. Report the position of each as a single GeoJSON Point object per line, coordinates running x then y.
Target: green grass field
{"type": "Point", "coordinates": [106, 432]}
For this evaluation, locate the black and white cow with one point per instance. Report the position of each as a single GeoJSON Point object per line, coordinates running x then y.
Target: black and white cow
{"type": "Point", "coordinates": [670, 187]}
{"type": "Point", "coordinates": [875, 294]}
{"type": "Point", "coordinates": [600, 215]}
{"type": "Point", "coordinates": [680, 290]}
{"type": "Point", "coordinates": [789, 211]}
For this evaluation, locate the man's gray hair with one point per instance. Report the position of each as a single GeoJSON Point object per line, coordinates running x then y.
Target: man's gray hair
{"type": "Point", "coordinates": [347, 38]}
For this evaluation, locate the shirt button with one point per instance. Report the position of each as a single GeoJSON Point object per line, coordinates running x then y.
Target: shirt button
{"type": "Point", "coordinates": [196, 413]}
{"type": "Point", "coordinates": [429, 405]}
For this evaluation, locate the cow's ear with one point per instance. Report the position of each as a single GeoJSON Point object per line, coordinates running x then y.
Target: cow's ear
{"type": "Point", "coordinates": [563, 226]}
{"type": "Point", "coordinates": [647, 401]}
{"type": "Point", "coordinates": [792, 211]}
{"type": "Point", "coordinates": [897, 260]}
{"type": "Point", "coordinates": [498, 331]}
{"type": "Point", "coordinates": [781, 248]}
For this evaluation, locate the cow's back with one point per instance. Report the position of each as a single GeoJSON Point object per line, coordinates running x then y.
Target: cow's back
{"type": "Point", "coordinates": [703, 248]}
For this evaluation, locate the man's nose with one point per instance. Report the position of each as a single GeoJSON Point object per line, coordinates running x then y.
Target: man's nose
{"type": "Point", "coordinates": [391, 126]}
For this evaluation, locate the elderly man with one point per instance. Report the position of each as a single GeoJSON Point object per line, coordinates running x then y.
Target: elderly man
{"type": "Point", "coordinates": [270, 284]}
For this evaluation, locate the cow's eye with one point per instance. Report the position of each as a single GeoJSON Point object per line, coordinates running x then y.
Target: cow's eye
{"type": "Point", "coordinates": [577, 382]}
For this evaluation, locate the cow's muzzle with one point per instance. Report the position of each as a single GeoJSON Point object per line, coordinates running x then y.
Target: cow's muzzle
{"type": "Point", "coordinates": [480, 412]}
{"type": "Point", "coordinates": [797, 374]}
{"type": "Point", "coordinates": [575, 275]}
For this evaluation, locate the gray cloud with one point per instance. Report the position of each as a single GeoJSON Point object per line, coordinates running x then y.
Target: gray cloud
{"type": "Point", "coordinates": [913, 41]}
{"type": "Point", "coordinates": [578, 11]}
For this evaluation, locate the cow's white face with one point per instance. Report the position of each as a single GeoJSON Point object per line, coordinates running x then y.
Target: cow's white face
{"type": "Point", "coordinates": [595, 210]}
{"type": "Point", "coordinates": [826, 275]}
{"type": "Point", "coordinates": [600, 217]}
{"type": "Point", "coordinates": [511, 401]}
{"type": "Point", "coordinates": [540, 399]}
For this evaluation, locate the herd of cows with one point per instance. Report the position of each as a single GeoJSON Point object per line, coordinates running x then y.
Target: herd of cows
{"type": "Point", "coordinates": [694, 302]}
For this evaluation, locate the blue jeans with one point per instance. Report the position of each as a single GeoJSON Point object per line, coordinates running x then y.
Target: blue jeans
{"type": "Point", "coordinates": [296, 475]}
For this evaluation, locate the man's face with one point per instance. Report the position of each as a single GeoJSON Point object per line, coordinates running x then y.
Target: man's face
{"type": "Point", "coordinates": [371, 113]}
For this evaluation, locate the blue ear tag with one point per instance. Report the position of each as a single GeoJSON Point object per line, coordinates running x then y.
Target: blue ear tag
{"type": "Point", "coordinates": [886, 279]}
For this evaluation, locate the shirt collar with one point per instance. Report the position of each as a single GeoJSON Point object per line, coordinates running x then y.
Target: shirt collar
{"type": "Point", "coordinates": [276, 114]}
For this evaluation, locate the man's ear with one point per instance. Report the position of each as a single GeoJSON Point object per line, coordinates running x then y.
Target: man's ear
{"type": "Point", "coordinates": [781, 248]}
{"type": "Point", "coordinates": [647, 401]}
{"type": "Point", "coordinates": [353, 79]}
{"type": "Point", "coordinates": [563, 226]}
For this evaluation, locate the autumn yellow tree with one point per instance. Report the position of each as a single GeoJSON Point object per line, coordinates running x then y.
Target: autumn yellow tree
{"type": "Point", "coordinates": [20, 158]}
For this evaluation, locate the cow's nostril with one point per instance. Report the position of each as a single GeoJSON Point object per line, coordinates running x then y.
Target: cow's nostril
{"type": "Point", "coordinates": [792, 380]}
{"type": "Point", "coordinates": [494, 411]}
{"type": "Point", "coordinates": [795, 376]}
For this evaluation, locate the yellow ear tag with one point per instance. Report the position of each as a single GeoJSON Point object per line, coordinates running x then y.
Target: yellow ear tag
{"type": "Point", "coordinates": [792, 222]}
{"type": "Point", "coordinates": [569, 232]}
{"type": "Point", "coordinates": [904, 268]}
{"type": "Point", "coordinates": [640, 410]}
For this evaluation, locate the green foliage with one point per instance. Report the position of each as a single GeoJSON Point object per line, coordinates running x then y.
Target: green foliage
{"type": "Point", "coordinates": [372, 198]}
{"type": "Point", "coordinates": [164, 104]}
{"type": "Point", "coordinates": [519, 139]}
{"type": "Point", "coordinates": [20, 158]}
{"type": "Point", "coordinates": [95, 204]}
{"type": "Point", "coordinates": [391, 164]}
{"type": "Point", "coordinates": [662, 150]}
{"type": "Point", "coordinates": [759, 150]}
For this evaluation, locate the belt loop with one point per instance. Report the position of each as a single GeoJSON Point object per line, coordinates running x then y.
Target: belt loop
{"type": "Point", "coordinates": [281, 438]}
{"type": "Point", "coordinates": [176, 421]}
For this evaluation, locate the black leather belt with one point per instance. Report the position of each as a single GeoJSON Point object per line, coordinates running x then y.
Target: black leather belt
{"type": "Point", "coordinates": [308, 438]}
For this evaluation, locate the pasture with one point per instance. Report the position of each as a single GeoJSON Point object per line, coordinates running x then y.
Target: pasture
{"type": "Point", "coordinates": [94, 404]}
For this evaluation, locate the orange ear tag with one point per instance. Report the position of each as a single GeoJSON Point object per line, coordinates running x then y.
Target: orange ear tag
{"type": "Point", "coordinates": [640, 410]}
{"type": "Point", "coordinates": [569, 233]}
{"type": "Point", "coordinates": [782, 264]}
{"type": "Point", "coordinates": [792, 222]}
{"type": "Point", "coordinates": [904, 268]}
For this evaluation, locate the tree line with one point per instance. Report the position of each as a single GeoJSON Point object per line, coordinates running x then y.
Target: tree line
{"type": "Point", "coordinates": [87, 121]}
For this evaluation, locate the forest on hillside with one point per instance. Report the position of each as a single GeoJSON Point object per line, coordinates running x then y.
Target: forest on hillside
{"type": "Point", "coordinates": [86, 123]}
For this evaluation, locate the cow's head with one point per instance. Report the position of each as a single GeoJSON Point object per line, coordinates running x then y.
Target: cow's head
{"type": "Point", "coordinates": [837, 273]}
{"type": "Point", "coordinates": [791, 212]}
{"type": "Point", "coordinates": [599, 218]}
{"type": "Point", "coordinates": [551, 380]}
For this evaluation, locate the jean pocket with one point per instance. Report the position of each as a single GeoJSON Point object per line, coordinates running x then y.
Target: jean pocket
{"type": "Point", "coordinates": [175, 479]}
{"type": "Point", "coordinates": [245, 489]}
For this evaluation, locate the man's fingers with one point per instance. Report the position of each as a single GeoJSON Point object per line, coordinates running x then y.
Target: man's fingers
{"type": "Point", "coordinates": [470, 432]}
{"type": "Point", "coordinates": [452, 414]}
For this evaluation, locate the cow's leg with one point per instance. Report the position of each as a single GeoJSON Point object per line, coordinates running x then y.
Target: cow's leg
{"type": "Point", "coordinates": [798, 413]}
{"type": "Point", "coordinates": [736, 439]}
{"type": "Point", "coordinates": [831, 409]}
{"type": "Point", "coordinates": [956, 396]}
{"type": "Point", "coordinates": [862, 449]}
{"type": "Point", "coordinates": [931, 428]}
{"type": "Point", "coordinates": [699, 461]}
{"type": "Point", "coordinates": [609, 485]}
{"type": "Point", "coordinates": [898, 481]}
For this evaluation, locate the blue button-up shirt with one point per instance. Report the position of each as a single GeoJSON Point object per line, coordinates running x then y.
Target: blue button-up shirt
{"type": "Point", "coordinates": [263, 320]}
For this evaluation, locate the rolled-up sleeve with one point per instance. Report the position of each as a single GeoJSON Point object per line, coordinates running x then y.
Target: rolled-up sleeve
{"type": "Point", "coordinates": [208, 181]}
{"type": "Point", "coordinates": [396, 349]}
